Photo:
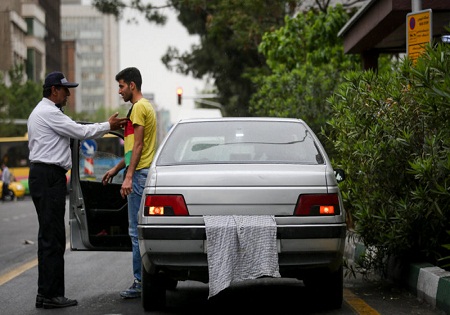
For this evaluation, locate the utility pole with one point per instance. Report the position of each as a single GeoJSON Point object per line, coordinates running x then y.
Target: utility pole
{"type": "Point", "coordinates": [416, 5]}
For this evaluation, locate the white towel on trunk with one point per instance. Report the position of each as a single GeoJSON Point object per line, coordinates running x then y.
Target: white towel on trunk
{"type": "Point", "coordinates": [240, 248]}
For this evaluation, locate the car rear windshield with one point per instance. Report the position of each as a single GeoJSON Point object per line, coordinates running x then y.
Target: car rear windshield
{"type": "Point", "coordinates": [232, 142]}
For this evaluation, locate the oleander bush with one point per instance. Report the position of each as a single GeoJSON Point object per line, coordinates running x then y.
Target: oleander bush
{"type": "Point", "coordinates": [391, 135]}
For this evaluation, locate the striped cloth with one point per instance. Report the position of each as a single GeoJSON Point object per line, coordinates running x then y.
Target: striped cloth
{"type": "Point", "coordinates": [240, 248]}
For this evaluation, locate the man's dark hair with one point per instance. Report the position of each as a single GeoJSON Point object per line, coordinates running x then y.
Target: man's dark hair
{"type": "Point", "coordinates": [129, 75]}
{"type": "Point", "coordinates": [46, 92]}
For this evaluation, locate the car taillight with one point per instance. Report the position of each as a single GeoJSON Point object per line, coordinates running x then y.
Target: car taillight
{"type": "Point", "coordinates": [165, 205]}
{"type": "Point", "coordinates": [318, 205]}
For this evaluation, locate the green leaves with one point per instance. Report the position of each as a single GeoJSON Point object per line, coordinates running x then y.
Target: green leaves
{"type": "Point", "coordinates": [391, 135]}
{"type": "Point", "coordinates": [307, 62]}
{"type": "Point", "coordinates": [308, 38]}
{"type": "Point", "coordinates": [17, 100]}
{"type": "Point", "coordinates": [230, 32]}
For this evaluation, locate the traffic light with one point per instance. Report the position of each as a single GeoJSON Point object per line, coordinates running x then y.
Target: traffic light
{"type": "Point", "coordinates": [179, 94]}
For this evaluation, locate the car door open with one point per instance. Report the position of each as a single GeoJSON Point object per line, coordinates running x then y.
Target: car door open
{"type": "Point", "coordinates": [98, 214]}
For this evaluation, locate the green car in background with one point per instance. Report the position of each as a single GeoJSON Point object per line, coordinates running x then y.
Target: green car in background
{"type": "Point", "coordinates": [24, 183]}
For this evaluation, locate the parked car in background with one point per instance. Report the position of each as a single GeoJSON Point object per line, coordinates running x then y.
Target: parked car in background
{"type": "Point", "coordinates": [16, 190]}
{"type": "Point", "coordinates": [236, 169]}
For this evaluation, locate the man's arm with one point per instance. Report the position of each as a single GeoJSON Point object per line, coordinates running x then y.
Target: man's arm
{"type": "Point", "coordinates": [135, 158]}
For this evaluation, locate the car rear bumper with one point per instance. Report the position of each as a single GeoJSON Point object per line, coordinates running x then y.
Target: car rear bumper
{"type": "Point", "coordinates": [198, 232]}
{"type": "Point", "coordinates": [182, 248]}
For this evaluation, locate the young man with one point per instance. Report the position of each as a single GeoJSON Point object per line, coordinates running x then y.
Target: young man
{"type": "Point", "coordinates": [139, 146]}
{"type": "Point", "coordinates": [49, 134]}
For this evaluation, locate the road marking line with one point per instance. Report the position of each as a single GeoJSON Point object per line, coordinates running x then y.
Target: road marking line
{"type": "Point", "coordinates": [17, 271]}
{"type": "Point", "coordinates": [21, 269]}
{"type": "Point", "coordinates": [358, 305]}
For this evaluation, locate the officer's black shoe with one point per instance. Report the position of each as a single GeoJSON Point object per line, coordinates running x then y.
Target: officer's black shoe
{"type": "Point", "coordinates": [58, 302]}
{"type": "Point", "coordinates": [39, 301]}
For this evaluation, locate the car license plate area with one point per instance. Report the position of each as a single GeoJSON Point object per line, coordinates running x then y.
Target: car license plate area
{"type": "Point", "coordinates": [205, 246]}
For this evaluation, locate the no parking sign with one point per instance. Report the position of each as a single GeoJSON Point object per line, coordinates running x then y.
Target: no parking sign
{"type": "Point", "coordinates": [418, 33]}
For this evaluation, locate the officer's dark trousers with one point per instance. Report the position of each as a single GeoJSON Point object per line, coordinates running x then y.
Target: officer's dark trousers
{"type": "Point", "coordinates": [47, 185]}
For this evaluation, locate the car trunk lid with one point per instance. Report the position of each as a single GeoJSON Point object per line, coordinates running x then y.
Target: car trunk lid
{"type": "Point", "coordinates": [230, 189]}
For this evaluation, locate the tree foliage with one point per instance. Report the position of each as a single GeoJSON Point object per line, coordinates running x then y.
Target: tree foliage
{"type": "Point", "coordinates": [19, 97]}
{"type": "Point", "coordinates": [230, 32]}
{"type": "Point", "coordinates": [17, 100]}
{"type": "Point", "coordinates": [391, 135]}
{"type": "Point", "coordinates": [306, 60]}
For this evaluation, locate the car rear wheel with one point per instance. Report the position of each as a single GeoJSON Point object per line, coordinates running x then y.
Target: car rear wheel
{"type": "Point", "coordinates": [329, 285]}
{"type": "Point", "coordinates": [153, 291]}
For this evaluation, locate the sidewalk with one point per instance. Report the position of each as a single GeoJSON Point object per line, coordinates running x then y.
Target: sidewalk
{"type": "Point", "coordinates": [430, 283]}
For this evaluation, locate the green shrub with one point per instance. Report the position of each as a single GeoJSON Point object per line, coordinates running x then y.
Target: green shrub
{"type": "Point", "coordinates": [391, 134]}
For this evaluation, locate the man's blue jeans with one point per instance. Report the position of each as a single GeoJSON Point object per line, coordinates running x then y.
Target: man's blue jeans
{"type": "Point", "coordinates": [134, 202]}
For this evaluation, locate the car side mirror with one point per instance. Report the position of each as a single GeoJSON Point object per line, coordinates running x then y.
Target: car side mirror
{"type": "Point", "coordinates": [339, 174]}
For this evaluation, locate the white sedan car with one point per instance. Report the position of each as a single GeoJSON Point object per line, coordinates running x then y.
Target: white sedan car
{"type": "Point", "coordinates": [226, 200]}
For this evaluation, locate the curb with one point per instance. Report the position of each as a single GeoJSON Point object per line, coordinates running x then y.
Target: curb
{"type": "Point", "coordinates": [430, 283]}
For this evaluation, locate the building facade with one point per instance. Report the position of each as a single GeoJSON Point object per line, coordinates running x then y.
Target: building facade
{"type": "Point", "coordinates": [53, 33]}
{"type": "Point", "coordinates": [90, 55]}
{"type": "Point", "coordinates": [13, 30]}
{"type": "Point", "coordinates": [30, 35]}
{"type": "Point", "coordinates": [34, 16]}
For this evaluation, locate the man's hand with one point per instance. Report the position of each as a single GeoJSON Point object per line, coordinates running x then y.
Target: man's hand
{"type": "Point", "coordinates": [117, 123]}
{"type": "Point", "coordinates": [127, 187]}
{"type": "Point", "coordinates": [108, 177]}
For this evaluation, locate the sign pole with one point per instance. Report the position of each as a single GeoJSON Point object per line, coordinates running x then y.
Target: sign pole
{"type": "Point", "coordinates": [416, 5]}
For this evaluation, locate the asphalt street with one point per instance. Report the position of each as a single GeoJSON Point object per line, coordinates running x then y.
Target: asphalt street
{"type": "Point", "coordinates": [96, 278]}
